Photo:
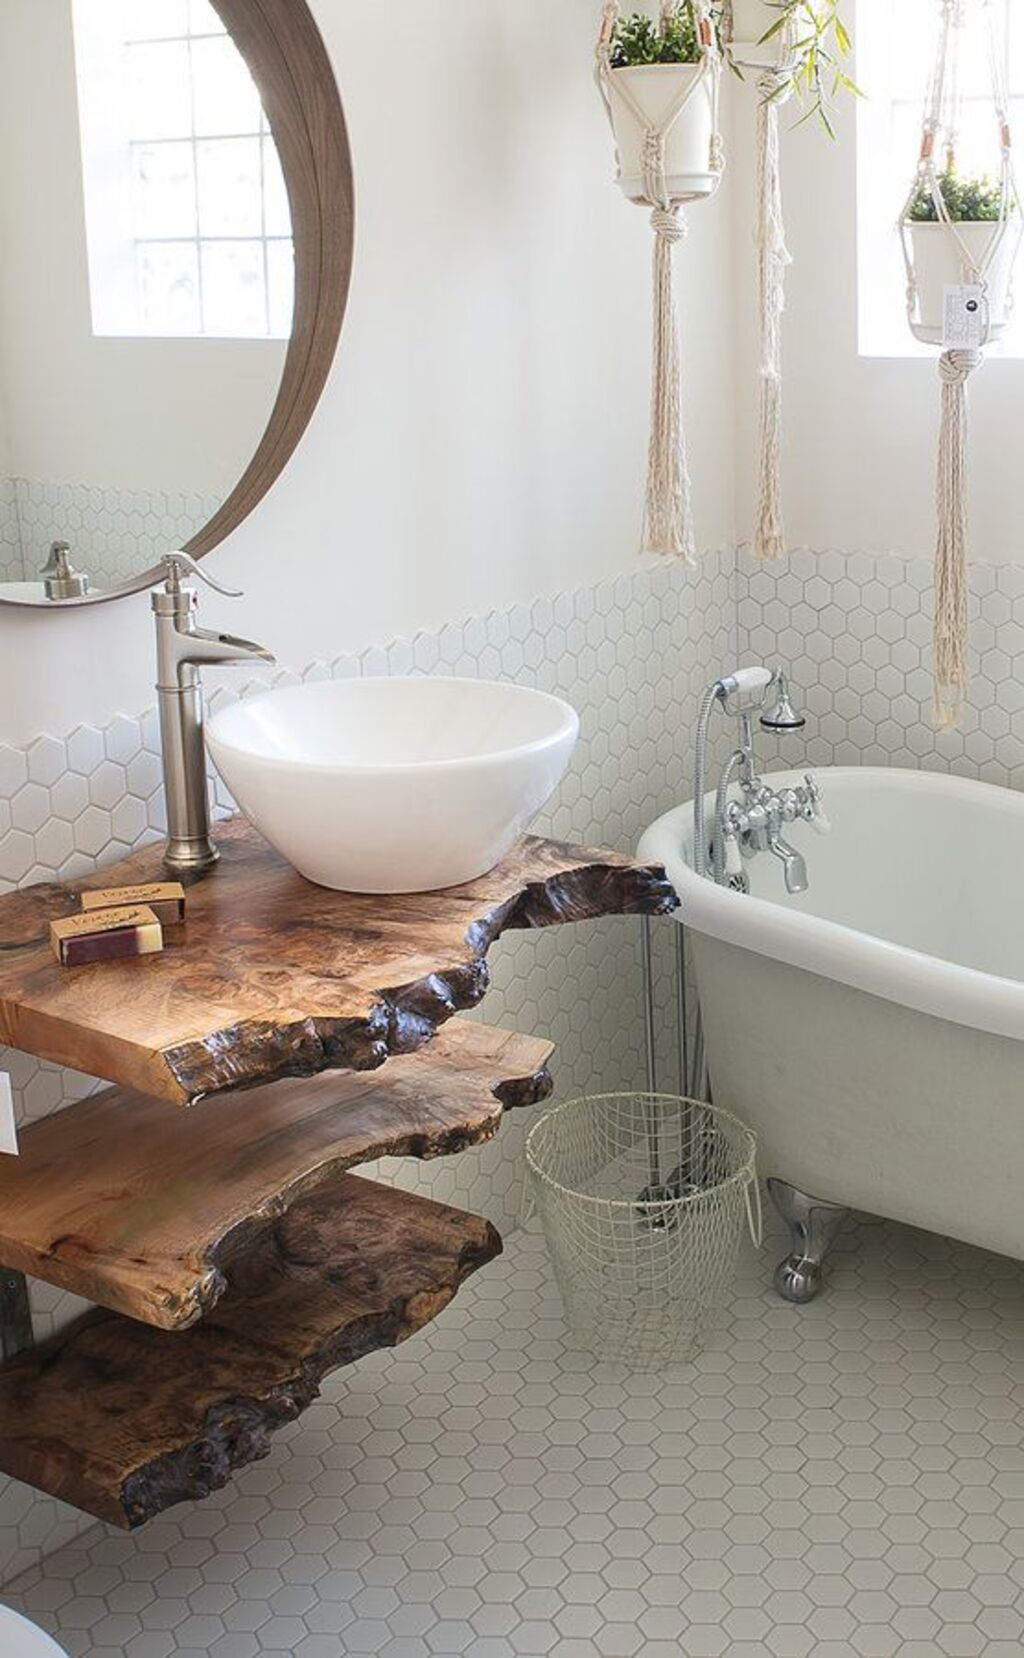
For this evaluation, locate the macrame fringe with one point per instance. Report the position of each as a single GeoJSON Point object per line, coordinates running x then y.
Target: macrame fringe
{"type": "Point", "coordinates": [668, 523]}
{"type": "Point", "coordinates": [773, 257]}
{"type": "Point", "coordinates": [951, 619]}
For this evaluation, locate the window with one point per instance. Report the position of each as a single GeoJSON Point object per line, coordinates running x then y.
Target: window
{"type": "Point", "coordinates": [896, 42]}
{"type": "Point", "coordinates": [187, 218]}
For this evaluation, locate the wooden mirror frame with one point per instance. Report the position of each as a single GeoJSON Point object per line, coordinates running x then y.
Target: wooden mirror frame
{"type": "Point", "coordinates": [285, 52]}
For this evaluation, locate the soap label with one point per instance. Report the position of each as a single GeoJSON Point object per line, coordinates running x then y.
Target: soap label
{"type": "Point", "coordinates": [964, 317]}
{"type": "Point", "coordinates": [8, 1128]}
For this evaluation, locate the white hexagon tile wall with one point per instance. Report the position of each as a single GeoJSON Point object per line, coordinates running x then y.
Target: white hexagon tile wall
{"type": "Point", "coordinates": [631, 654]}
{"type": "Point", "coordinates": [114, 533]}
{"type": "Point", "coordinates": [855, 631]}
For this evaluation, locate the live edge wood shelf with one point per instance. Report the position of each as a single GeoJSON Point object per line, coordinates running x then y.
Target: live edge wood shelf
{"type": "Point", "coordinates": [279, 978]}
{"type": "Point", "coordinates": [235, 1260]}
{"type": "Point", "coordinates": [123, 1420]}
{"type": "Point", "coordinates": [144, 1209]}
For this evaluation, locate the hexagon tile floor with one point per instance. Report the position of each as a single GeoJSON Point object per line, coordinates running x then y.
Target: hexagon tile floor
{"type": "Point", "coordinates": [845, 1479]}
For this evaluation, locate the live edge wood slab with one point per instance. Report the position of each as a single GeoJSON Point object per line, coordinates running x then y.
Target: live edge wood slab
{"type": "Point", "coordinates": [123, 1420]}
{"type": "Point", "coordinates": [276, 977]}
{"type": "Point", "coordinates": [144, 1209]}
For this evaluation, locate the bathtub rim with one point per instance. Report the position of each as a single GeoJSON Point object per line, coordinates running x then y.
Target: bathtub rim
{"type": "Point", "coordinates": [831, 950]}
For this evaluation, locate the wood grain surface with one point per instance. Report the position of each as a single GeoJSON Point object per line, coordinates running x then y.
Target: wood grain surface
{"type": "Point", "coordinates": [142, 1209]}
{"type": "Point", "coordinates": [275, 977]}
{"type": "Point", "coordinates": [123, 1420]}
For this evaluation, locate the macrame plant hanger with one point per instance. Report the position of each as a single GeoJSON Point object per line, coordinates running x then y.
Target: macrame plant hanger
{"type": "Point", "coordinates": [772, 61]}
{"type": "Point", "coordinates": [985, 264]}
{"type": "Point", "coordinates": [668, 522]}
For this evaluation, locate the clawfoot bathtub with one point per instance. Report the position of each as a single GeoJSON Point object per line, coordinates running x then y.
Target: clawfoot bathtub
{"type": "Point", "coordinates": [871, 1029]}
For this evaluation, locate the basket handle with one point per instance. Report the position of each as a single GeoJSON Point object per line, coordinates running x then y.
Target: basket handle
{"type": "Point", "coordinates": [527, 1201]}
{"type": "Point", "coordinates": [755, 1212]}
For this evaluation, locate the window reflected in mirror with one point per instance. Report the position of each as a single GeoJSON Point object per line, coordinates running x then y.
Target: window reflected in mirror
{"type": "Point", "coordinates": [146, 285]}
{"type": "Point", "coordinates": [186, 211]}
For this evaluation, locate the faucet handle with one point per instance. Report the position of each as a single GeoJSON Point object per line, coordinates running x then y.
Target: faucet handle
{"type": "Point", "coordinates": [820, 821]}
{"type": "Point", "coordinates": [179, 565]}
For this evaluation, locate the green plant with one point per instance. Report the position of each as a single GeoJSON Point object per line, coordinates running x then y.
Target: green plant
{"type": "Point", "coordinates": [968, 200]}
{"type": "Point", "coordinates": [639, 40]}
{"type": "Point", "coordinates": [818, 41]}
{"type": "Point", "coordinates": [819, 44]}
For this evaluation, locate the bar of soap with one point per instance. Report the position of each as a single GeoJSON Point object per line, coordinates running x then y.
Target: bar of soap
{"type": "Point", "coordinates": [106, 935]}
{"type": "Point", "coordinates": [165, 898]}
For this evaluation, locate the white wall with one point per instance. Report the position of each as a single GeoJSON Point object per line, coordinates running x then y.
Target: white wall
{"type": "Point", "coordinates": [181, 415]}
{"type": "Point", "coordinates": [861, 433]}
{"type": "Point", "coordinates": [482, 438]}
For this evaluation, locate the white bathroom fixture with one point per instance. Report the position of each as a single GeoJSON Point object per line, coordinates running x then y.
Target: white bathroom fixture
{"type": "Point", "coordinates": [394, 785]}
{"type": "Point", "coordinates": [871, 1029]}
{"type": "Point", "coordinates": [21, 1639]}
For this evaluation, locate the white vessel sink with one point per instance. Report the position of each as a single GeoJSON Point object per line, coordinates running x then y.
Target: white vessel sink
{"type": "Point", "coordinates": [394, 785]}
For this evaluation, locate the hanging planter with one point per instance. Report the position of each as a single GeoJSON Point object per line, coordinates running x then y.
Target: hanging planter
{"type": "Point", "coordinates": [651, 89]}
{"type": "Point", "coordinates": [975, 236]}
{"type": "Point", "coordinates": [790, 47]}
{"type": "Point", "coordinates": [960, 240]}
{"type": "Point", "coordinates": [660, 85]}
{"type": "Point", "coordinates": [754, 40]}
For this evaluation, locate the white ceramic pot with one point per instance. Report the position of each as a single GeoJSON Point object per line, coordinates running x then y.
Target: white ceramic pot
{"type": "Point", "coordinates": [939, 264]}
{"type": "Point", "coordinates": [655, 87]}
{"type": "Point", "coordinates": [751, 20]}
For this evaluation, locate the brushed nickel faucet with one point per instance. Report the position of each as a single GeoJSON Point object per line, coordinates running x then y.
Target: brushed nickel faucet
{"type": "Point", "coordinates": [182, 649]}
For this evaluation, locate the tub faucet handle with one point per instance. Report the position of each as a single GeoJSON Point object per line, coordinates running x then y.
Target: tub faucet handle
{"type": "Point", "coordinates": [733, 856]}
{"type": "Point", "coordinates": [820, 820]}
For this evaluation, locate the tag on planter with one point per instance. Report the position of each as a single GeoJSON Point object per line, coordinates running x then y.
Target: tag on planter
{"type": "Point", "coordinates": [964, 317]}
{"type": "Point", "coordinates": [8, 1129]}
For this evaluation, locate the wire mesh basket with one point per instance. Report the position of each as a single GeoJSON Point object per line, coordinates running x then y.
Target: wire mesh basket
{"type": "Point", "coordinates": [643, 1199]}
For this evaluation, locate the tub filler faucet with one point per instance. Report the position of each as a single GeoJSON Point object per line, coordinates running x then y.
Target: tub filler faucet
{"type": "Point", "coordinates": [756, 820]}
{"type": "Point", "coordinates": [182, 649]}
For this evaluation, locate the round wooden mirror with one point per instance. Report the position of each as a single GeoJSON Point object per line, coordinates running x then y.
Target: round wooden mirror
{"type": "Point", "coordinates": [176, 214]}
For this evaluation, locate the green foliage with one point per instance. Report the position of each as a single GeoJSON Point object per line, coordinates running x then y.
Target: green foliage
{"type": "Point", "coordinates": [968, 200]}
{"type": "Point", "coordinates": [819, 46]}
{"type": "Point", "coordinates": [639, 40]}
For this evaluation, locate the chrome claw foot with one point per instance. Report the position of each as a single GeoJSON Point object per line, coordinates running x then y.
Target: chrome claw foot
{"type": "Point", "coordinates": [813, 1226]}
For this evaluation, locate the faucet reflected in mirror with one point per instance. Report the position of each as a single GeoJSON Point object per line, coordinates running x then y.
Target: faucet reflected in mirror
{"type": "Point", "coordinates": [182, 649]}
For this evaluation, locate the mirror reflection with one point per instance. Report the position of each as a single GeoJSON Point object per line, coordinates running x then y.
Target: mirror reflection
{"type": "Point", "coordinates": [146, 285]}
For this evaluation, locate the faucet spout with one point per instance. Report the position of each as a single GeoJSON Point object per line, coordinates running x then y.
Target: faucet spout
{"type": "Point", "coordinates": [794, 867]}
{"type": "Point", "coordinates": [201, 648]}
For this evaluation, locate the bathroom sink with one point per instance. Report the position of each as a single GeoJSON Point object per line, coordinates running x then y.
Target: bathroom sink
{"type": "Point", "coordinates": [394, 785]}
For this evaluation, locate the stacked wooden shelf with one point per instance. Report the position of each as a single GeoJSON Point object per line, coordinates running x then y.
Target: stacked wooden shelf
{"type": "Point", "coordinates": [124, 1420]}
{"type": "Point", "coordinates": [234, 1259]}
{"type": "Point", "coordinates": [143, 1209]}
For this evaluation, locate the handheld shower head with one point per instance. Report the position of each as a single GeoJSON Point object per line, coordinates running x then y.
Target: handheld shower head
{"type": "Point", "coordinates": [782, 716]}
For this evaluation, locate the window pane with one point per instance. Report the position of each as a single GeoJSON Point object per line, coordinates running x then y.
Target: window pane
{"type": "Point", "coordinates": [280, 288]}
{"type": "Point", "coordinates": [168, 275]}
{"type": "Point", "coordinates": [277, 217]}
{"type": "Point", "coordinates": [234, 290]}
{"type": "Point", "coordinates": [164, 189]}
{"type": "Point", "coordinates": [155, 19]}
{"type": "Point", "coordinates": [229, 187]}
{"type": "Point", "coordinates": [896, 49]}
{"type": "Point", "coordinates": [226, 100]}
{"type": "Point", "coordinates": [161, 92]}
